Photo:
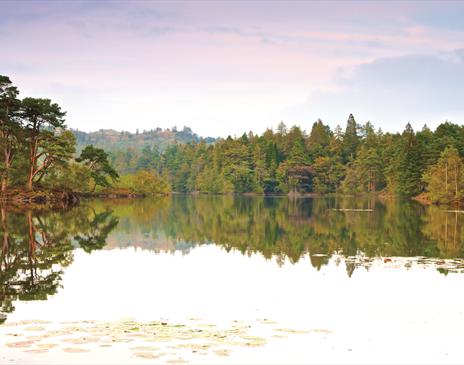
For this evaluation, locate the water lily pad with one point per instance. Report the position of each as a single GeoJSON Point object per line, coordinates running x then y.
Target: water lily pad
{"type": "Point", "coordinates": [145, 348]}
{"type": "Point", "coordinates": [253, 341]}
{"type": "Point", "coordinates": [266, 321]}
{"type": "Point", "coordinates": [81, 340]}
{"type": "Point", "coordinates": [222, 352]}
{"type": "Point", "coordinates": [46, 345]}
{"type": "Point", "coordinates": [75, 350]}
{"type": "Point", "coordinates": [146, 355]}
{"type": "Point", "coordinates": [20, 344]}
{"type": "Point", "coordinates": [177, 361]}
{"type": "Point", "coordinates": [320, 330]}
{"type": "Point", "coordinates": [121, 340]}
{"type": "Point", "coordinates": [37, 351]}
{"type": "Point", "coordinates": [290, 330]}
{"type": "Point", "coordinates": [34, 328]}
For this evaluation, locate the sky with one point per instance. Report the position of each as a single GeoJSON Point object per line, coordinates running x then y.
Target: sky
{"type": "Point", "coordinates": [223, 68]}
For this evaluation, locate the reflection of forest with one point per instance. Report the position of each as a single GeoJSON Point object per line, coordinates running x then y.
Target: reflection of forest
{"type": "Point", "coordinates": [285, 227]}
{"type": "Point", "coordinates": [37, 245]}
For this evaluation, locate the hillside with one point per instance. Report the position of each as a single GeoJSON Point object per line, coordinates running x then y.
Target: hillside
{"type": "Point", "coordinates": [111, 140]}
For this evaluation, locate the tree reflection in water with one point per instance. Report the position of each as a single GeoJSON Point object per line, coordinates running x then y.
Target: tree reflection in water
{"type": "Point", "coordinates": [37, 245]}
{"type": "Point", "coordinates": [287, 229]}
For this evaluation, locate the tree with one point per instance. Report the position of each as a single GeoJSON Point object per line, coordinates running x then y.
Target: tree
{"type": "Point", "coordinates": [445, 179]}
{"type": "Point", "coordinates": [319, 140]}
{"type": "Point", "coordinates": [350, 139]}
{"type": "Point", "coordinates": [328, 173]}
{"type": "Point", "coordinates": [149, 183]}
{"type": "Point", "coordinates": [55, 149]}
{"type": "Point", "coordinates": [73, 176]}
{"type": "Point", "coordinates": [39, 118]}
{"type": "Point", "coordinates": [97, 161]}
{"type": "Point", "coordinates": [9, 127]}
{"type": "Point", "coordinates": [364, 174]}
{"type": "Point", "coordinates": [408, 164]}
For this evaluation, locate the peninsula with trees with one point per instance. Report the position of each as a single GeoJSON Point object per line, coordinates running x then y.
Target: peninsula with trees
{"type": "Point", "coordinates": [40, 157]}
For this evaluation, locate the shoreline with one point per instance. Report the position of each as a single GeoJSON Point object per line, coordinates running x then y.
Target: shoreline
{"type": "Point", "coordinates": [58, 198]}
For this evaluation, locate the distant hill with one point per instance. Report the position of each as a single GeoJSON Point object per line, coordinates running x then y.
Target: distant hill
{"type": "Point", "coordinates": [111, 140]}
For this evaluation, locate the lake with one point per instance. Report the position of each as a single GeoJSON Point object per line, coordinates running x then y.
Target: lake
{"type": "Point", "coordinates": [230, 279]}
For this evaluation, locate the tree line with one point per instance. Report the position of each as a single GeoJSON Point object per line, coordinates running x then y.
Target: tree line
{"type": "Point", "coordinates": [358, 159]}
{"type": "Point", "coordinates": [36, 150]}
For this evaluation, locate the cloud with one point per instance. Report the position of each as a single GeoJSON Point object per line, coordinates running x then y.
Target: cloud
{"type": "Point", "coordinates": [393, 91]}
{"type": "Point", "coordinates": [225, 66]}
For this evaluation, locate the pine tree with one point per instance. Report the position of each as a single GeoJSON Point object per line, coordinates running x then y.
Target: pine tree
{"type": "Point", "coordinates": [409, 164]}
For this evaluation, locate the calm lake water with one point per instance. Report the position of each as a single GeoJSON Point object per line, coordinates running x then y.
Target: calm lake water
{"type": "Point", "coordinates": [300, 280]}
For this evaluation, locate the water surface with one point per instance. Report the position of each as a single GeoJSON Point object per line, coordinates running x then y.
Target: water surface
{"type": "Point", "coordinates": [356, 280]}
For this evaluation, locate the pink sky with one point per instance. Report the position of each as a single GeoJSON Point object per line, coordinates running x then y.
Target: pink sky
{"type": "Point", "coordinates": [227, 67]}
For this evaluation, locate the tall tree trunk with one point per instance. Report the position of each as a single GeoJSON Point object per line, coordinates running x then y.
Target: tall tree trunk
{"type": "Point", "coordinates": [4, 182]}
{"type": "Point", "coordinates": [33, 162]}
{"type": "Point", "coordinates": [7, 162]}
{"type": "Point", "coordinates": [29, 185]}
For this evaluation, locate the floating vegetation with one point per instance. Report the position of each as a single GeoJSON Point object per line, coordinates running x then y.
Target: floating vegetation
{"type": "Point", "coordinates": [173, 339]}
{"type": "Point", "coordinates": [290, 330]}
{"type": "Point", "coordinates": [20, 344]}
{"type": "Point", "coordinates": [81, 340]}
{"type": "Point", "coordinates": [34, 329]}
{"type": "Point", "coordinates": [75, 350]}
{"type": "Point", "coordinates": [176, 361]}
{"type": "Point", "coordinates": [46, 345]}
{"type": "Point", "coordinates": [37, 351]}
{"type": "Point", "coordinates": [145, 348]}
{"type": "Point", "coordinates": [222, 352]}
{"type": "Point", "coordinates": [146, 355]}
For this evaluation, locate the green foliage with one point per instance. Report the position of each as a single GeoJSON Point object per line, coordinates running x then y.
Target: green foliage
{"type": "Point", "coordinates": [9, 127]}
{"type": "Point", "coordinates": [36, 150]}
{"type": "Point", "coordinates": [351, 139]}
{"type": "Point", "coordinates": [329, 172]}
{"type": "Point", "coordinates": [100, 168]}
{"type": "Point", "coordinates": [70, 177]}
{"type": "Point", "coordinates": [357, 160]}
{"type": "Point", "coordinates": [39, 119]}
{"type": "Point", "coordinates": [364, 174]}
{"type": "Point", "coordinates": [149, 183]}
{"type": "Point", "coordinates": [409, 164]}
{"type": "Point", "coordinates": [144, 182]}
{"type": "Point", "coordinates": [445, 179]}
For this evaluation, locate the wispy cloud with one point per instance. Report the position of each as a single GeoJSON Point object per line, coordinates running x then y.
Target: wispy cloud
{"type": "Point", "coordinates": [223, 66]}
{"type": "Point", "coordinates": [393, 91]}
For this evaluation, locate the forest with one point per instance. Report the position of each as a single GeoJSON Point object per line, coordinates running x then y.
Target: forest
{"type": "Point", "coordinates": [38, 152]}
{"type": "Point", "coordinates": [358, 159]}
